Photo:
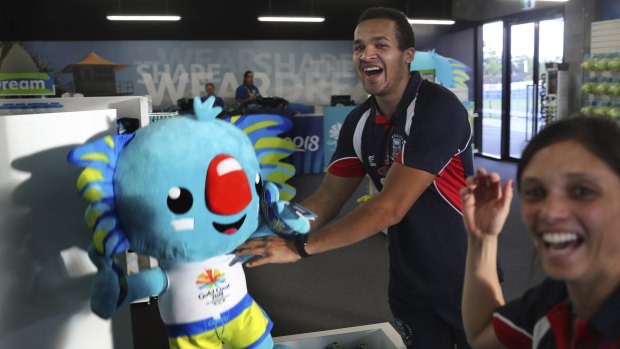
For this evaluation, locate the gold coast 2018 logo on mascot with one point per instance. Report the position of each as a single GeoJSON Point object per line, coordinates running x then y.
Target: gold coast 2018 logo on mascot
{"type": "Point", "coordinates": [214, 282]}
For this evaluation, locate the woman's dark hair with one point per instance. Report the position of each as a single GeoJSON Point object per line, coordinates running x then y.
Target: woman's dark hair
{"type": "Point", "coordinates": [599, 136]}
{"type": "Point", "coordinates": [245, 75]}
{"type": "Point", "coordinates": [404, 34]}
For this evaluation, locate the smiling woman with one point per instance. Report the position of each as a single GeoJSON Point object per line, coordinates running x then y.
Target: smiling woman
{"type": "Point", "coordinates": [569, 181]}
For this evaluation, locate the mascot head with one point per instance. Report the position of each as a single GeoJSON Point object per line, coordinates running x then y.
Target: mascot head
{"type": "Point", "coordinates": [182, 189]}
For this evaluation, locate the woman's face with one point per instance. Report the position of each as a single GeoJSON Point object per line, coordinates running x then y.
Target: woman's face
{"type": "Point", "coordinates": [570, 202]}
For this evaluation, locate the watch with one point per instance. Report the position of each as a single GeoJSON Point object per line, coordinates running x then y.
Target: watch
{"type": "Point", "coordinates": [301, 240]}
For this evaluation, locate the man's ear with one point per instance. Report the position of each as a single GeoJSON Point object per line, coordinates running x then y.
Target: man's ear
{"type": "Point", "coordinates": [409, 54]}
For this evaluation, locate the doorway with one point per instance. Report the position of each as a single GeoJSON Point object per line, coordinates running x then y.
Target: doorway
{"type": "Point", "coordinates": [514, 54]}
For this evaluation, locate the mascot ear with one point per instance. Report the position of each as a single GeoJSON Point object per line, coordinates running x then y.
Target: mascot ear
{"type": "Point", "coordinates": [101, 153]}
{"type": "Point", "coordinates": [96, 185]}
{"type": "Point", "coordinates": [204, 110]}
{"type": "Point", "coordinates": [99, 159]}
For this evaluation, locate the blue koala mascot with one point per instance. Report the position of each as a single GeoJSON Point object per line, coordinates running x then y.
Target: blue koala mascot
{"type": "Point", "coordinates": [188, 191]}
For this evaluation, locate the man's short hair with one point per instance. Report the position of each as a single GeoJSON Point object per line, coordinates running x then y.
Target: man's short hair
{"type": "Point", "coordinates": [209, 84]}
{"type": "Point", "coordinates": [404, 35]}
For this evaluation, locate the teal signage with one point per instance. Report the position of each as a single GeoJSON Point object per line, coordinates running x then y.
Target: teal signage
{"type": "Point", "coordinates": [20, 84]}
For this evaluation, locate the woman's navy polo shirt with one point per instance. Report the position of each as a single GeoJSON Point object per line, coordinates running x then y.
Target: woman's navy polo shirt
{"type": "Point", "coordinates": [540, 319]}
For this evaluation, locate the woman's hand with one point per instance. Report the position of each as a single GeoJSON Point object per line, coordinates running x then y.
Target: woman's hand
{"type": "Point", "coordinates": [485, 203]}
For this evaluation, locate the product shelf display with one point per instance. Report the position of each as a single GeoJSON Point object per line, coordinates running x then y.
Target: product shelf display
{"type": "Point", "coordinates": [601, 85]}
{"type": "Point", "coordinates": [554, 92]}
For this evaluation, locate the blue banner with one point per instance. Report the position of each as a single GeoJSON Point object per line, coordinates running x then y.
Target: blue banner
{"type": "Point", "coordinates": [333, 119]}
{"type": "Point", "coordinates": [307, 136]}
{"type": "Point", "coordinates": [306, 72]}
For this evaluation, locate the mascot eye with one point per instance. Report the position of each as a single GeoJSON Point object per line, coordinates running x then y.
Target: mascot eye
{"type": "Point", "coordinates": [227, 187]}
{"type": "Point", "coordinates": [258, 183]}
{"type": "Point", "coordinates": [180, 200]}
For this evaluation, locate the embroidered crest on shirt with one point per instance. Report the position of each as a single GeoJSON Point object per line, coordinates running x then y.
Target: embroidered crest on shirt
{"type": "Point", "coordinates": [397, 145]}
{"type": "Point", "coordinates": [371, 160]}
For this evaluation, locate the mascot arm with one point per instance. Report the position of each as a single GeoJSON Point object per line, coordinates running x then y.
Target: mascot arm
{"type": "Point", "coordinates": [148, 283]}
{"type": "Point", "coordinates": [112, 288]}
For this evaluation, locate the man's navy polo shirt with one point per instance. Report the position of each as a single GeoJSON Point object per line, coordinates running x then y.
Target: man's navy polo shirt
{"type": "Point", "coordinates": [430, 131]}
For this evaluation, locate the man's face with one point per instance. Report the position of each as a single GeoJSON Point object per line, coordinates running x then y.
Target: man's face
{"type": "Point", "coordinates": [210, 90]}
{"type": "Point", "coordinates": [380, 64]}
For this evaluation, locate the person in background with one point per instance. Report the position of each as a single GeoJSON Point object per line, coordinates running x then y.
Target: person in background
{"type": "Point", "coordinates": [569, 182]}
{"type": "Point", "coordinates": [247, 93]}
{"type": "Point", "coordinates": [210, 90]}
{"type": "Point", "coordinates": [412, 138]}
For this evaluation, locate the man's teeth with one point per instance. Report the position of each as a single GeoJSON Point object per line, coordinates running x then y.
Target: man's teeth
{"type": "Point", "coordinates": [559, 238]}
{"type": "Point", "coordinates": [370, 69]}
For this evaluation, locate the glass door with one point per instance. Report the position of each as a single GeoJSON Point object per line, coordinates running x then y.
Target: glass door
{"type": "Point", "coordinates": [532, 45]}
{"type": "Point", "coordinates": [523, 86]}
{"type": "Point", "coordinates": [492, 68]}
{"type": "Point", "coordinates": [514, 53]}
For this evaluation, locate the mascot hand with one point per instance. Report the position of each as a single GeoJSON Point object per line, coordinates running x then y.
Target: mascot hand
{"type": "Point", "coordinates": [295, 217]}
{"type": "Point", "coordinates": [284, 218]}
{"type": "Point", "coordinates": [108, 288]}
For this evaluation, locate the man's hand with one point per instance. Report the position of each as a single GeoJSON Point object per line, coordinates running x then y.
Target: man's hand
{"type": "Point", "coordinates": [270, 249]}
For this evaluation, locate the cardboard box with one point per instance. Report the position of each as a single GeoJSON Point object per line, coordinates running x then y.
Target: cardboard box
{"type": "Point", "coordinates": [375, 336]}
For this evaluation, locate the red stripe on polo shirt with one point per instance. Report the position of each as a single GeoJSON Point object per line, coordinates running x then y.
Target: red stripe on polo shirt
{"type": "Point", "coordinates": [450, 181]}
{"type": "Point", "coordinates": [347, 167]}
{"type": "Point", "coordinates": [510, 335]}
{"type": "Point", "coordinates": [382, 120]}
{"type": "Point", "coordinates": [559, 318]}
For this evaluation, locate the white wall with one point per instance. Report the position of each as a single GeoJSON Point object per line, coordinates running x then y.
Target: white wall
{"type": "Point", "coordinates": [44, 273]}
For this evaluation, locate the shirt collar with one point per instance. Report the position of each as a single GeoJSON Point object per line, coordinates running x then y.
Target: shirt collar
{"type": "Point", "coordinates": [607, 319]}
{"type": "Point", "coordinates": [410, 93]}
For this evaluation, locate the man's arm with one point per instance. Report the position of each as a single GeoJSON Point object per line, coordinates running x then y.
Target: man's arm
{"type": "Point", "coordinates": [403, 186]}
{"type": "Point", "coordinates": [329, 198]}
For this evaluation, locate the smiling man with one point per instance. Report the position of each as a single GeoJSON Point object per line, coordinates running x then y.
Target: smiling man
{"type": "Point", "coordinates": [412, 138]}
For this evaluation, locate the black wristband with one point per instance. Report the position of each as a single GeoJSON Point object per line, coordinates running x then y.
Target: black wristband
{"type": "Point", "coordinates": [301, 240]}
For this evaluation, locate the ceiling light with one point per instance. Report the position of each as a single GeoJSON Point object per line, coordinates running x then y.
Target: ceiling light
{"type": "Point", "coordinates": [143, 18]}
{"type": "Point", "coordinates": [431, 21]}
{"type": "Point", "coordinates": [553, 0]}
{"type": "Point", "coordinates": [290, 19]}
